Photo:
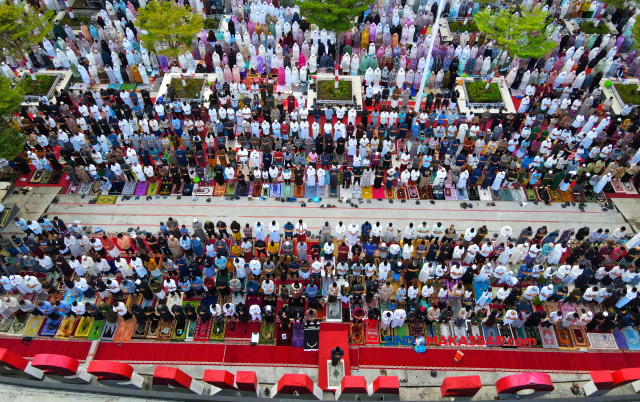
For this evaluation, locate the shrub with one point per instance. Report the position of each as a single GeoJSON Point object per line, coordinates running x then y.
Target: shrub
{"type": "Point", "coordinates": [327, 91]}
{"type": "Point", "coordinates": [478, 94]}
{"type": "Point", "coordinates": [192, 90]}
{"type": "Point", "coordinates": [628, 93]}
{"type": "Point", "coordinates": [39, 87]}
{"type": "Point", "coordinates": [590, 28]}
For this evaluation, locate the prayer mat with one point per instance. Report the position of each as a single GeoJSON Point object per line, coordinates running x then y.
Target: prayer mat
{"type": "Point", "coordinates": [153, 188]}
{"type": "Point", "coordinates": [505, 195]}
{"type": "Point", "coordinates": [596, 308]}
{"type": "Point", "coordinates": [109, 330]}
{"type": "Point", "coordinates": [367, 193]}
{"type": "Point", "coordinates": [602, 341]}
{"type": "Point", "coordinates": [567, 308]}
{"type": "Point", "coordinates": [33, 326]}
{"type": "Point", "coordinates": [191, 330]}
{"type": "Point", "coordinates": [334, 311]}
{"type": "Point", "coordinates": [401, 193]}
{"type": "Point", "coordinates": [372, 334]}
{"type": "Point", "coordinates": [179, 332]}
{"type": "Point", "coordinates": [203, 330]}
{"type": "Point", "coordinates": [566, 196]}
{"type": "Point", "coordinates": [85, 188]}
{"type": "Point", "coordinates": [520, 332]}
{"type": "Point", "coordinates": [176, 189]}
{"type": "Point", "coordinates": [564, 338]}
{"type": "Point", "coordinates": [556, 196]}
{"type": "Point", "coordinates": [579, 197]}
{"type": "Point", "coordinates": [65, 330]}
{"type": "Point", "coordinates": [495, 195]}
{"type": "Point", "coordinates": [116, 188]}
{"type": "Point", "coordinates": [298, 191]}
{"type": "Point", "coordinates": [46, 177]}
{"type": "Point", "coordinates": [505, 330]}
{"type": "Point", "coordinates": [187, 189]}
{"type": "Point", "coordinates": [444, 329]}
{"type": "Point", "coordinates": [242, 191]}
{"type": "Point", "coordinates": [96, 330]}
{"type": "Point", "coordinates": [56, 177]}
{"type": "Point", "coordinates": [165, 330]}
{"type": "Point", "coordinates": [50, 327]}
{"type": "Point", "coordinates": [298, 335]}
{"type": "Point", "coordinates": [154, 329]}
{"type": "Point", "coordinates": [589, 196]}
{"type": "Point", "coordinates": [129, 187]}
{"type": "Point", "coordinates": [601, 198]}
{"type": "Point", "coordinates": [550, 307]}
{"type": "Point", "coordinates": [414, 194]}
{"type": "Point", "coordinates": [401, 331]}
{"type": "Point", "coordinates": [125, 330]}
{"type": "Point", "coordinates": [632, 337]}
{"type": "Point", "coordinates": [335, 374]}
{"type": "Point", "coordinates": [165, 187]}
{"type": "Point", "coordinates": [205, 191]}
{"type": "Point", "coordinates": [230, 190]}
{"type": "Point", "coordinates": [267, 333]}
{"type": "Point", "coordinates": [310, 191]}
{"type": "Point", "coordinates": [37, 177]}
{"type": "Point", "coordinates": [531, 195]}
{"type": "Point", "coordinates": [384, 333]}
{"type": "Point", "coordinates": [389, 193]}
{"type": "Point", "coordinates": [416, 328]}
{"type": "Point", "coordinates": [543, 194]}
{"type": "Point", "coordinates": [133, 299]}
{"type": "Point", "coordinates": [438, 193]}
{"type": "Point", "coordinates": [450, 194]}
{"type": "Point", "coordinates": [378, 193]}
{"type": "Point", "coordinates": [617, 186]}
{"type": "Point", "coordinates": [475, 329]}
{"type": "Point", "coordinates": [532, 332]}
{"type": "Point", "coordinates": [73, 189]}
{"type": "Point", "coordinates": [18, 325]}
{"type": "Point", "coordinates": [95, 190]}
{"type": "Point", "coordinates": [334, 192]}
{"type": "Point", "coordinates": [473, 192]}
{"type": "Point", "coordinates": [217, 331]}
{"type": "Point", "coordinates": [257, 190]}
{"type": "Point", "coordinates": [356, 333]}
{"type": "Point", "coordinates": [485, 194]}
{"type": "Point", "coordinates": [621, 341]}
{"type": "Point", "coordinates": [607, 188]}
{"type": "Point", "coordinates": [579, 337]}
{"type": "Point", "coordinates": [311, 336]}
{"type": "Point", "coordinates": [322, 191]}
{"type": "Point", "coordinates": [140, 331]}
{"type": "Point", "coordinates": [461, 194]}
{"type": "Point", "coordinates": [265, 190]}
{"type": "Point", "coordinates": [629, 188]}
{"type": "Point", "coordinates": [548, 335]}
{"type": "Point", "coordinates": [107, 199]}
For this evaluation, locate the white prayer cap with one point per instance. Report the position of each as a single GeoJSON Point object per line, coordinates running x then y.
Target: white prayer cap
{"type": "Point", "coordinates": [590, 314]}
{"type": "Point", "coordinates": [195, 220]}
{"type": "Point", "coordinates": [606, 314]}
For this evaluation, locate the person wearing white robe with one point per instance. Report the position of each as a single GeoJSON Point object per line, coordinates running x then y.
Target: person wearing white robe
{"type": "Point", "coordinates": [505, 234]}
{"type": "Point", "coordinates": [602, 183]}
{"type": "Point", "coordinates": [386, 318]}
{"type": "Point", "coordinates": [398, 318]}
{"type": "Point", "coordinates": [556, 254]}
{"type": "Point", "coordinates": [274, 231]}
{"type": "Point", "coordinates": [462, 180]}
{"type": "Point", "coordinates": [497, 182]}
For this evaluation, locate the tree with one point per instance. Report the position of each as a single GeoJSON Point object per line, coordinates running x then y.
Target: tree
{"type": "Point", "coordinates": [521, 34]}
{"type": "Point", "coordinates": [170, 27]}
{"type": "Point", "coordinates": [21, 28]}
{"type": "Point", "coordinates": [333, 15]}
{"type": "Point", "coordinates": [12, 140]}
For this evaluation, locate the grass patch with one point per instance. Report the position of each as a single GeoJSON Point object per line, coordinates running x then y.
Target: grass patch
{"type": "Point", "coordinates": [590, 28]}
{"type": "Point", "coordinates": [477, 93]}
{"type": "Point", "coordinates": [39, 87]}
{"type": "Point", "coordinates": [459, 26]}
{"type": "Point", "coordinates": [628, 93]}
{"type": "Point", "coordinates": [211, 23]}
{"type": "Point", "coordinates": [327, 91]}
{"type": "Point", "coordinates": [191, 91]}
{"type": "Point", "coordinates": [75, 22]}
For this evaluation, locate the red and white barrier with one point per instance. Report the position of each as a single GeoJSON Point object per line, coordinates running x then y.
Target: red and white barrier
{"type": "Point", "coordinates": [524, 385]}
{"type": "Point", "coordinates": [62, 368]}
{"type": "Point", "coordinates": [460, 388]}
{"type": "Point", "coordinates": [173, 379]}
{"type": "Point", "coordinates": [224, 383]}
{"type": "Point", "coordinates": [627, 376]}
{"type": "Point", "coordinates": [298, 386]}
{"type": "Point", "coordinates": [11, 363]}
{"type": "Point", "coordinates": [601, 383]}
{"type": "Point", "coordinates": [352, 387]}
{"type": "Point", "coordinates": [115, 374]}
{"type": "Point", "coordinates": [386, 388]}
{"type": "Point", "coordinates": [247, 383]}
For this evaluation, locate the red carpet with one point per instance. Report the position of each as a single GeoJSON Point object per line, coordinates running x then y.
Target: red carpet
{"type": "Point", "coordinates": [495, 360]}
{"type": "Point", "coordinates": [75, 349]}
{"type": "Point", "coordinates": [622, 195]}
{"type": "Point", "coordinates": [155, 353]}
{"type": "Point", "coordinates": [332, 335]}
{"type": "Point", "coordinates": [287, 356]}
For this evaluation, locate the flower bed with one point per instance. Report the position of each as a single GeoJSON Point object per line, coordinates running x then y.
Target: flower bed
{"type": "Point", "coordinates": [477, 93]}
{"type": "Point", "coordinates": [628, 93]}
{"type": "Point", "coordinates": [40, 87]}
{"type": "Point", "coordinates": [590, 28]}
{"type": "Point", "coordinates": [460, 26]}
{"type": "Point", "coordinates": [327, 91]}
{"type": "Point", "coordinates": [192, 89]}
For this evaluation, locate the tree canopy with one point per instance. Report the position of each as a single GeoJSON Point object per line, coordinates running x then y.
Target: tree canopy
{"type": "Point", "coordinates": [170, 27]}
{"type": "Point", "coordinates": [12, 140]}
{"type": "Point", "coordinates": [21, 27]}
{"type": "Point", "coordinates": [336, 15]}
{"type": "Point", "coordinates": [521, 33]}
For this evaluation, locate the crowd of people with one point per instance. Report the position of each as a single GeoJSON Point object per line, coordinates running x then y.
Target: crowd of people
{"type": "Point", "coordinates": [370, 271]}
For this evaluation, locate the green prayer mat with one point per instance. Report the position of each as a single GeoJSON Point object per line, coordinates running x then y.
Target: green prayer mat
{"type": "Point", "coordinates": [191, 329]}
{"type": "Point", "coordinates": [267, 333]}
{"type": "Point", "coordinates": [287, 190]}
{"type": "Point", "coordinates": [531, 195]}
{"type": "Point", "coordinates": [96, 330]}
{"type": "Point", "coordinates": [532, 332]}
{"type": "Point", "coordinates": [230, 191]}
{"type": "Point", "coordinates": [402, 331]}
{"type": "Point", "coordinates": [505, 195]}
{"type": "Point", "coordinates": [589, 196]}
{"type": "Point", "coordinates": [179, 335]}
{"type": "Point", "coordinates": [217, 331]}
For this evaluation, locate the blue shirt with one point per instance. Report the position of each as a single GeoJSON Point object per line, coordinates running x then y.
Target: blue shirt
{"type": "Point", "coordinates": [221, 262]}
{"type": "Point", "coordinates": [46, 308]}
{"type": "Point", "coordinates": [63, 308]}
{"type": "Point", "coordinates": [312, 291]}
{"type": "Point", "coordinates": [175, 123]}
{"type": "Point", "coordinates": [370, 248]}
{"type": "Point", "coordinates": [252, 287]}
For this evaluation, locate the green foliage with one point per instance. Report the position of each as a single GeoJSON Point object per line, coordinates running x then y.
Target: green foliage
{"type": "Point", "coordinates": [521, 33]}
{"type": "Point", "coordinates": [12, 142]}
{"type": "Point", "coordinates": [40, 86]}
{"type": "Point", "coordinates": [459, 26]}
{"type": "Point", "coordinates": [478, 94]}
{"type": "Point", "coordinates": [327, 91]}
{"type": "Point", "coordinates": [336, 15]}
{"type": "Point", "coordinates": [75, 22]}
{"type": "Point", "coordinates": [170, 27]}
{"type": "Point", "coordinates": [628, 93]}
{"type": "Point", "coordinates": [211, 23]}
{"type": "Point", "coordinates": [590, 28]}
{"type": "Point", "coordinates": [10, 99]}
{"type": "Point", "coordinates": [635, 32]}
{"type": "Point", "coordinates": [22, 28]}
{"type": "Point", "coordinates": [192, 90]}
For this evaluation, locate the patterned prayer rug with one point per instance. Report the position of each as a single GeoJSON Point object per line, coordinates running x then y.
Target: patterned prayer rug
{"type": "Point", "coordinates": [531, 195]}
{"type": "Point", "coordinates": [632, 337]}
{"type": "Point", "coordinates": [311, 336]}
{"type": "Point", "coordinates": [50, 327]}
{"type": "Point", "coordinates": [202, 331]}
{"type": "Point", "coordinates": [416, 329]}
{"type": "Point", "coordinates": [37, 177]}
{"type": "Point", "coordinates": [621, 341]}
{"type": "Point", "coordinates": [82, 331]}
{"type": "Point", "coordinates": [520, 332]}
{"type": "Point", "coordinates": [564, 338]}
{"type": "Point", "coordinates": [107, 199]}
{"type": "Point", "coordinates": [96, 330]}
{"type": "Point", "coordinates": [335, 374]}
{"type": "Point", "coordinates": [284, 338]}
{"type": "Point", "coordinates": [473, 193]}
{"type": "Point", "coordinates": [73, 189]}
{"type": "Point", "coordinates": [601, 197]}
{"type": "Point", "coordinates": [125, 330]}
{"type": "Point", "coordinates": [401, 193]}
{"type": "Point", "coordinates": [230, 191]}
{"type": "Point", "coordinates": [367, 193]}
{"type": "Point", "coordinates": [385, 333]}
{"type": "Point", "coordinates": [356, 333]}
{"type": "Point", "coordinates": [33, 326]}
{"type": "Point", "coordinates": [548, 335]}
{"type": "Point", "coordinates": [505, 195]}
{"type": "Point", "coordinates": [217, 331]}
{"type": "Point", "coordinates": [56, 177]}
{"type": "Point", "coordinates": [154, 330]}
{"type": "Point", "coordinates": [85, 188]}
{"type": "Point", "coordinates": [298, 335]}
{"type": "Point", "coordinates": [532, 332]}
{"type": "Point", "coordinates": [485, 194]}
{"type": "Point", "coordinates": [166, 330]}
{"type": "Point", "coordinates": [334, 192]}
{"type": "Point", "coordinates": [191, 330]}
{"type": "Point", "coordinates": [220, 190]}
{"type": "Point", "coordinates": [310, 191]}
{"type": "Point", "coordinates": [179, 332]}
{"type": "Point", "coordinates": [257, 190]}
{"type": "Point", "coordinates": [629, 188]}
{"type": "Point", "coordinates": [65, 330]}
{"type": "Point", "coordinates": [322, 191]}
{"type": "Point", "coordinates": [334, 311]}
{"type": "Point", "coordinates": [567, 308]}
{"type": "Point", "coordinates": [153, 188]}
{"type": "Point", "coordinates": [475, 329]}
{"type": "Point", "coordinates": [372, 334]}
{"type": "Point", "coordinates": [543, 194]}
{"type": "Point", "coordinates": [109, 330]}
{"type": "Point", "coordinates": [602, 341]}
{"type": "Point", "coordinates": [133, 300]}
{"type": "Point", "coordinates": [18, 325]}
{"type": "Point", "coordinates": [165, 187]}
{"type": "Point", "coordinates": [589, 196]}
{"type": "Point", "coordinates": [556, 196]}
{"type": "Point", "coordinates": [242, 191]}
{"type": "Point", "coordinates": [140, 331]}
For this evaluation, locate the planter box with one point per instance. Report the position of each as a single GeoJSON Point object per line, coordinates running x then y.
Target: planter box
{"type": "Point", "coordinates": [328, 79]}
{"type": "Point", "coordinates": [194, 90]}
{"type": "Point", "coordinates": [495, 102]}
{"type": "Point", "coordinates": [32, 93]}
{"type": "Point", "coordinates": [625, 94]}
{"type": "Point", "coordinates": [325, 92]}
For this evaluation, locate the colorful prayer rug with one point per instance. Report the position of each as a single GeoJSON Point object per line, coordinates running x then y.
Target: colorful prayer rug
{"type": "Point", "coordinates": [632, 337]}
{"type": "Point", "coordinates": [367, 193]}
{"type": "Point", "coordinates": [56, 177]}
{"type": "Point", "coordinates": [73, 189]}
{"type": "Point", "coordinates": [153, 188]}
{"type": "Point", "coordinates": [179, 332]}
{"type": "Point", "coordinates": [256, 191]}
{"type": "Point", "coordinates": [548, 335]}
{"type": "Point", "coordinates": [217, 331]}
{"type": "Point", "coordinates": [621, 341]}
{"type": "Point", "coordinates": [18, 325]}
{"type": "Point", "coordinates": [601, 197]}
{"type": "Point", "coordinates": [85, 188]}
{"type": "Point", "coordinates": [564, 338]}
{"type": "Point", "coordinates": [37, 177]}
{"type": "Point", "coordinates": [109, 330]}
{"type": "Point", "coordinates": [372, 334]}
{"type": "Point", "coordinates": [133, 299]}
{"type": "Point", "coordinates": [310, 191]}
{"type": "Point", "coordinates": [165, 187]}
{"type": "Point", "coordinates": [389, 193]}
{"type": "Point", "coordinates": [416, 329]}
{"type": "Point", "coordinates": [356, 333]}
{"type": "Point", "coordinates": [414, 194]}
{"type": "Point", "coordinates": [65, 330]}
{"type": "Point", "coordinates": [556, 196]}
{"type": "Point", "coordinates": [154, 330]}
{"type": "Point", "coordinates": [589, 196]}
{"type": "Point", "coordinates": [531, 195]}
{"type": "Point", "coordinates": [567, 308]}
{"type": "Point", "coordinates": [401, 193]}
{"type": "Point", "coordinates": [96, 330]}
{"type": "Point", "coordinates": [176, 189]}
{"type": "Point", "coordinates": [230, 191]}
{"type": "Point", "coordinates": [33, 326]}
{"type": "Point", "coordinates": [140, 331]}
{"type": "Point", "coordinates": [311, 336]}
{"type": "Point", "coordinates": [166, 330]}
{"type": "Point", "coordinates": [298, 191]}
{"type": "Point", "coordinates": [191, 330]}
{"type": "Point", "coordinates": [50, 327]}
{"type": "Point", "coordinates": [505, 195]}
{"type": "Point", "coordinates": [107, 199]}
{"type": "Point", "coordinates": [602, 341]}
{"type": "Point", "coordinates": [334, 192]}
{"type": "Point", "coordinates": [378, 193]}
{"type": "Point", "coordinates": [284, 338]}
{"type": "Point", "coordinates": [82, 331]}
{"type": "Point", "coordinates": [384, 333]}
{"type": "Point", "coordinates": [532, 332]}
{"type": "Point", "coordinates": [125, 330]}
{"type": "Point", "coordinates": [629, 188]}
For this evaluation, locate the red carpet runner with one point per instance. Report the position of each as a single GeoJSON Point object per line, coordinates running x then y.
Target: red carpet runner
{"type": "Point", "coordinates": [77, 350]}
{"type": "Point", "coordinates": [332, 335]}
